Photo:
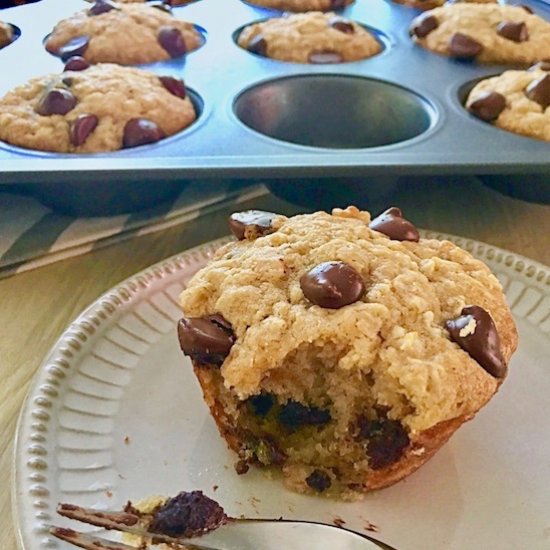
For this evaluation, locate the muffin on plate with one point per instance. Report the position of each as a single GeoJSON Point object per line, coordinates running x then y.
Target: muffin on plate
{"type": "Point", "coordinates": [312, 37]}
{"type": "Point", "coordinates": [89, 109]}
{"type": "Point", "coordinates": [6, 34]}
{"type": "Point", "coordinates": [127, 34]}
{"type": "Point", "coordinates": [486, 33]}
{"type": "Point", "coordinates": [516, 101]}
{"type": "Point", "coordinates": [340, 350]}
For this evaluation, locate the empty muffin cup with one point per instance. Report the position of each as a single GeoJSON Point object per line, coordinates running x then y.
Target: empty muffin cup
{"type": "Point", "coordinates": [334, 111]}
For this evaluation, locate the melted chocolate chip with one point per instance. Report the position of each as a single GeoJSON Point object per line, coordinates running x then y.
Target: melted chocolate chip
{"type": "Point", "coordinates": [318, 480]}
{"type": "Point", "coordinates": [395, 226]}
{"type": "Point", "coordinates": [543, 65]}
{"type": "Point", "coordinates": [174, 85]}
{"type": "Point", "coordinates": [56, 101]}
{"type": "Point", "coordinates": [337, 4]}
{"type": "Point", "coordinates": [424, 26]}
{"type": "Point", "coordinates": [332, 285]}
{"type": "Point", "coordinates": [251, 223]}
{"type": "Point", "coordinates": [187, 515]}
{"type": "Point", "coordinates": [76, 63]}
{"type": "Point", "coordinates": [140, 131]}
{"type": "Point", "coordinates": [82, 127]}
{"type": "Point", "coordinates": [528, 9]}
{"type": "Point", "coordinates": [462, 46]}
{"type": "Point", "coordinates": [514, 31]}
{"type": "Point", "coordinates": [206, 339]}
{"type": "Point", "coordinates": [261, 404]}
{"type": "Point", "coordinates": [294, 415]}
{"type": "Point", "coordinates": [171, 40]}
{"type": "Point", "coordinates": [102, 6]}
{"type": "Point", "coordinates": [386, 441]}
{"type": "Point", "coordinates": [258, 45]}
{"type": "Point", "coordinates": [75, 46]}
{"type": "Point", "coordinates": [342, 25]}
{"type": "Point", "coordinates": [539, 91]}
{"type": "Point", "coordinates": [325, 56]}
{"type": "Point", "coordinates": [475, 332]}
{"type": "Point", "coordinates": [163, 6]}
{"type": "Point", "coordinates": [488, 106]}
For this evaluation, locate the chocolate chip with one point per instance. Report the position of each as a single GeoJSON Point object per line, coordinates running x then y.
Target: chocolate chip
{"type": "Point", "coordinates": [395, 226]}
{"type": "Point", "coordinates": [488, 106]}
{"type": "Point", "coordinates": [241, 467]}
{"type": "Point", "coordinates": [512, 30]}
{"type": "Point", "coordinates": [528, 9]}
{"type": "Point", "coordinates": [251, 223]}
{"type": "Point", "coordinates": [539, 91]}
{"type": "Point", "coordinates": [261, 404]}
{"type": "Point", "coordinates": [475, 332]}
{"type": "Point", "coordinates": [171, 39]}
{"type": "Point", "coordinates": [174, 85]}
{"type": "Point", "coordinates": [56, 101]}
{"type": "Point", "coordinates": [294, 415]}
{"type": "Point", "coordinates": [140, 131]}
{"type": "Point", "coordinates": [325, 57]}
{"type": "Point", "coordinates": [462, 46]}
{"type": "Point", "coordinates": [206, 339]}
{"type": "Point", "coordinates": [332, 285]}
{"type": "Point", "coordinates": [75, 46]}
{"type": "Point", "coordinates": [342, 25]}
{"type": "Point", "coordinates": [82, 127]}
{"type": "Point", "coordinates": [337, 4]}
{"type": "Point", "coordinates": [163, 6]}
{"type": "Point", "coordinates": [318, 480]}
{"type": "Point", "coordinates": [386, 441]}
{"type": "Point", "coordinates": [76, 63]}
{"type": "Point", "coordinates": [424, 26]}
{"type": "Point", "coordinates": [258, 45]}
{"type": "Point", "coordinates": [102, 6]}
{"type": "Point", "coordinates": [543, 65]}
{"type": "Point", "coordinates": [187, 515]}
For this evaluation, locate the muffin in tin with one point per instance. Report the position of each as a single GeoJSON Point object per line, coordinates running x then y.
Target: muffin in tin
{"type": "Point", "coordinates": [486, 33]}
{"type": "Point", "coordinates": [516, 101]}
{"type": "Point", "coordinates": [302, 5]}
{"type": "Point", "coordinates": [312, 37]}
{"type": "Point", "coordinates": [104, 107]}
{"type": "Point", "coordinates": [6, 34]}
{"type": "Point", "coordinates": [342, 350]}
{"type": "Point", "coordinates": [127, 34]}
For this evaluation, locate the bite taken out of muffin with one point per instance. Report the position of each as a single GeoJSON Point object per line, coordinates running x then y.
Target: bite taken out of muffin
{"type": "Point", "coordinates": [342, 350]}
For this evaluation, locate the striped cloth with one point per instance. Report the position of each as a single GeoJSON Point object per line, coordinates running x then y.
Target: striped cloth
{"type": "Point", "coordinates": [32, 235]}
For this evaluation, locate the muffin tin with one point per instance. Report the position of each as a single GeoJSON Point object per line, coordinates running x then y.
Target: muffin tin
{"type": "Point", "coordinates": [396, 113]}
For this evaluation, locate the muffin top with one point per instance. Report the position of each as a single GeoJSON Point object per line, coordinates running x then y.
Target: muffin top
{"type": "Point", "coordinates": [303, 5]}
{"type": "Point", "coordinates": [361, 296]}
{"type": "Point", "coordinates": [516, 101]}
{"type": "Point", "coordinates": [127, 34]}
{"type": "Point", "coordinates": [488, 33]}
{"type": "Point", "coordinates": [313, 37]}
{"type": "Point", "coordinates": [103, 107]}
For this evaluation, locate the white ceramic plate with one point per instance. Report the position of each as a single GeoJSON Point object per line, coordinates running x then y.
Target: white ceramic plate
{"type": "Point", "coordinates": [115, 413]}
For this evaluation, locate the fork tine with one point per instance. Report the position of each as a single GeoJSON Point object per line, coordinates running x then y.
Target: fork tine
{"type": "Point", "coordinates": [117, 520]}
{"type": "Point", "coordinates": [89, 542]}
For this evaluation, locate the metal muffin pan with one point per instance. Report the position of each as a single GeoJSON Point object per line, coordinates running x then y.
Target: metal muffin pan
{"type": "Point", "coordinates": [397, 113]}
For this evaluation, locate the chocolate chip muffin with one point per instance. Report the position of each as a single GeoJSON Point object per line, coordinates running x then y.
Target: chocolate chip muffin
{"type": "Point", "coordinates": [6, 34]}
{"type": "Point", "coordinates": [343, 350]}
{"type": "Point", "coordinates": [167, 3]}
{"type": "Point", "coordinates": [430, 4]}
{"type": "Point", "coordinates": [103, 107]}
{"type": "Point", "coordinates": [127, 34]}
{"type": "Point", "coordinates": [312, 37]}
{"type": "Point", "coordinates": [516, 101]}
{"type": "Point", "coordinates": [488, 33]}
{"type": "Point", "coordinates": [302, 5]}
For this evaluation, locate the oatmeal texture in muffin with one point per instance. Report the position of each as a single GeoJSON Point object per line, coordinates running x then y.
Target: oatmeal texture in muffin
{"type": "Point", "coordinates": [127, 34]}
{"type": "Point", "coordinates": [103, 107]}
{"type": "Point", "coordinates": [312, 37]}
{"type": "Point", "coordinates": [486, 33]}
{"type": "Point", "coordinates": [341, 350]}
{"type": "Point", "coordinates": [516, 101]}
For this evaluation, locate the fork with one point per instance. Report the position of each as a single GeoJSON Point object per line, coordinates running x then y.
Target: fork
{"type": "Point", "coordinates": [236, 534]}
